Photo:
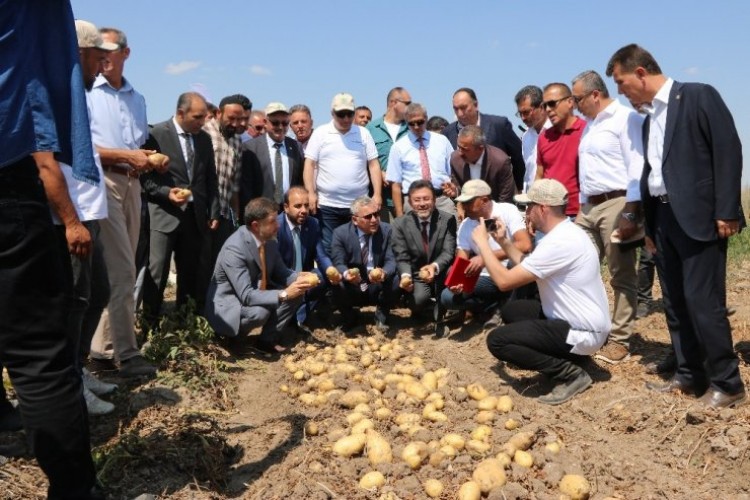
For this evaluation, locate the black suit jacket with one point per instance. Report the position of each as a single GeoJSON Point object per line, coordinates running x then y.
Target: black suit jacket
{"type": "Point", "coordinates": [496, 171]}
{"type": "Point", "coordinates": [498, 132]}
{"type": "Point", "coordinates": [165, 216]}
{"type": "Point", "coordinates": [311, 242]}
{"type": "Point", "coordinates": [256, 178]}
{"type": "Point", "coordinates": [345, 250]}
{"type": "Point", "coordinates": [701, 162]}
{"type": "Point", "coordinates": [409, 249]}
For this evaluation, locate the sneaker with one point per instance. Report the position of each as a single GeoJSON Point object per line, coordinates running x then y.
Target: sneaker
{"type": "Point", "coordinates": [494, 321]}
{"type": "Point", "coordinates": [565, 391]}
{"type": "Point", "coordinates": [136, 366]}
{"type": "Point", "coordinates": [95, 385]}
{"type": "Point", "coordinates": [95, 405]}
{"type": "Point", "coordinates": [613, 353]}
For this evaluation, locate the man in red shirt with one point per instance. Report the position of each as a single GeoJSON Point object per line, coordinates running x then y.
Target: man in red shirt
{"type": "Point", "coordinates": [557, 147]}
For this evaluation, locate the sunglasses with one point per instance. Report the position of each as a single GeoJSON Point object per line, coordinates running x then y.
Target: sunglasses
{"type": "Point", "coordinates": [344, 113]}
{"type": "Point", "coordinates": [417, 123]}
{"type": "Point", "coordinates": [552, 103]}
{"type": "Point", "coordinates": [279, 123]}
{"type": "Point", "coordinates": [369, 216]}
{"type": "Point", "coordinates": [404, 102]}
{"type": "Point", "coordinates": [259, 128]}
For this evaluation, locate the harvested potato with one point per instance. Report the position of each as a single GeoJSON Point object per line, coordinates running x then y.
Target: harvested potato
{"type": "Point", "coordinates": [417, 390]}
{"type": "Point", "coordinates": [469, 491]}
{"type": "Point", "coordinates": [377, 274]}
{"type": "Point", "coordinates": [311, 429]}
{"type": "Point", "coordinates": [434, 415]}
{"type": "Point", "coordinates": [503, 458]}
{"type": "Point", "coordinates": [299, 375]}
{"type": "Point", "coordinates": [575, 486]}
{"type": "Point", "coordinates": [449, 451]}
{"type": "Point", "coordinates": [512, 424]}
{"type": "Point", "coordinates": [284, 388]}
{"type": "Point", "coordinates": [476, 391]}
{"type": "Point", "coordinates": [477, 448]}
{"type": "Point", "coordinates": [424, 274]}
{"type": "Point", "coordinates": [184, 193]}
{"type": "Point", "coordinates": [383, 413]}
{"type": "Point", "coordinates": [430, 381]}
{"type": "Point", "coordinates": [378, 448]}
{"type": "Point", "coordinates": [523, 458]}
{"type": "Point", "coordinates": [349, 446]}
{"type": "Point", "coordinates": [414, 453]}
{"type": "Point", "coordinates": [436, 458]}
{"type": "Point", "coordinates": [362, 426]}
{"type": "Point", "coordinates": [488, 403]}
{"type": "Point", "coordinates": [481, 433]}
{"type": "Point", "coordinates": [311, 279]}
{"type": "Point", "coordinates": [407, 418]}
{"type": "Point", "coordinates": [366, 360]}
{"type": "Point", "coordinates": [489, 474]}
{"type": "Point", "coordinates": [485, 416]}
{"type": "Point", "coordinates": [553, 447]}
{"type": "Point", "coordinates": [354, 417]}
{"type": "Point", "coordinates": [351, 399]}
{"type": "Point", "coordinates": [363, 408]}
{"type": "Point", "coordinates": [433, 488]}
{"type": "Point", "coordinates": [454, 440]}
{"type": "Point", "coordinates": [316, 368]}
{"type": "Point", "coordinates": [332, 273]}
{"type": "Point", "coordinates": [522, 440]}
{"type": "Point", "coordinates": [504, 404]}
{"type": "Point", "coordinates": [157, 160]}
{"type": "Point", "coordinates": [405, 282]}
{"type": "Point", "coordinates": [372, 480]}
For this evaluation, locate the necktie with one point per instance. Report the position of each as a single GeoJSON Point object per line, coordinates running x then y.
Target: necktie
{"type": "Point", "coordinates": [278, 192]}
{"type": "Point", "coordinates": [190, 153]}
{"type": "Point", "coordinates": [263, 270]}
{"type": "Point", "coordinates": [425, 239]}
{"type": "Point", "coordinates": [365, 252]}
{"type": "Point", "coordinates": [423, 161]}
{"type": "Point", "coordinates": [297, 249]}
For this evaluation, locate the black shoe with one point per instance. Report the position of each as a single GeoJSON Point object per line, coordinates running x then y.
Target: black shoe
{"type": "Point", "coordinates": [644, 309]}
{"type": "Point", "coordinates": [567, 390]}
{"type": "Point", "coordinates": [269, 347]}
{"type": "Point", "coordinates": [673, 385]}
{"type": "Point", "coordinates": [10, 418]}
{"type": "Point", "coordinates": [714, 398]}
{"type": "Point", "coordinates": [441, 330]}
{"type": "Point", "coordinates": [99, 365]}
{"type": "Point", "coordinates": [348, 321]}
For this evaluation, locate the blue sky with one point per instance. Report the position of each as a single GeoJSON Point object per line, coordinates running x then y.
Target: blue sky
{"type": "Point", "coordinates": [306, 51]}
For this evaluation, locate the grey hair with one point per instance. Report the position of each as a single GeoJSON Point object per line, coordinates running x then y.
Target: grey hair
{"type": "Point", "coordinates": [300, 107]}
{"type": "Point", "coordinates": [360, 202]}
{"type": "Point", "coordinates": [534, 94]}
{"type": "Point", "coordinates": [415, 109]}
{"type": "Point", "coordinates": [122, 38]}
{"type": "Point", "coordinates": [475, 134]}
{"type": "Point", "coordinates": [591, 81]}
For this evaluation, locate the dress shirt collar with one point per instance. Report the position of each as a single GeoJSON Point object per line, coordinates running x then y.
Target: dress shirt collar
{"type": "Point", "coordinates": [255, 239]}
{"type": "Point", "coordinates": [661, 97]}
{"type": "Point", "coordinates": [271, 143]}
{"type": "Point", "coordinates": [479, 160]}
{"type": "Point", "coordinates": [414, 140]}
{"type": "Point", "coordinates": [101, 81]}
{"type": "Point", "coordinates": [291, 225]}
{"type": "Point", "coordinates": [177, 127]}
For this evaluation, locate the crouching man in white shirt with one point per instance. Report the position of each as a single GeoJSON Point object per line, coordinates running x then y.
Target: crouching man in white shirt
{"type": "Point", "coordinates": [572, 321]}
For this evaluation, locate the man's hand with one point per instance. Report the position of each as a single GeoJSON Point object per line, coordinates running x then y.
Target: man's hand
{"type": "Point", "coordinates": [457, 289]}
{"type": "Point", "coordinates": [427, 273]}
{"type": "Point", "coordinates": [377, 275]}
{"type": "Point", "coordinates": [378, 201]}
{"type": "Point", "coordinates": [297, 289]}
{"type": "Point", "coordinates": [313, 198]}
{"type": "Point", "coordinates": [449, 189]}
{"type": "Point", "coordinates": [406, 284]}
{"type": "Point", "coordinates": [352, 278]}
{"type": "Point", "coordinates": [727, 228]}
{"type": "Point", "coordinates": [626, 228]}
{"type": "Point", "coordinates": [650, 246]}
{"type": "Point", "coordinates": [476, 263]}
{"type": "Point", "coordinates": [138, 159]}
{"type": "Point", "coordinates": [213, 224]}
{"type": "Point", "coordinates": [79, 240]}
{"type": "Point", "coordinates": [479, 233]}
{"type": "Point", "coordinates": [175, 198]}
{"type": "Point", "coordinates": [160, 162]}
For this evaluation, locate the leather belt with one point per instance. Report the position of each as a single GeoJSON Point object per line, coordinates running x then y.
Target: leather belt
{"type": "Point", "coordinates": [597, 199]}
{"type": "Point", "coordinates": [116, 169]}
{"type": "Point", "coordinates": [661, 198]}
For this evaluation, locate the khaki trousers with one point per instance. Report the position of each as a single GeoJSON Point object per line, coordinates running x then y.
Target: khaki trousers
{"type": "Point", "coordinates": [115, 335]}
{"type": "Point", "coordinates": [599, 221]}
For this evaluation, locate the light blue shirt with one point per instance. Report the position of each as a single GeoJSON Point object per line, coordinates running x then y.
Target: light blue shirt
{"type": "Point", "coordinates": [404, 164]}
{"type": "Point", "coordinates": [118, 117]}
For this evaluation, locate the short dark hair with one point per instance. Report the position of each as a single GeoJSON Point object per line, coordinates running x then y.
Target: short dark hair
{"type": "Point", "coordinates": [436, 124]}
{"type": "Point", "coordinates": [469, 91]}
{"type": "Point", "coordinates": [185, 101]}
{"type": "Point", "coordinates": [362, 108]}
{"type": "Point", "coordinates": [392, 94]}
{"type": "Point", "coordinates": [562, 86]}
{"type": "Point", "coordinates": [292, 190]}
{"type": "Point", "coordinates": [259, 209]}
{"type": "Point", "coordinates": [534, 94]}
{"type": "Point", "coordinates": [631, 57]}
{"type": "Point", "coordinates": [240, 99]}
{"type": "Point", "coordinates": [420, 184]}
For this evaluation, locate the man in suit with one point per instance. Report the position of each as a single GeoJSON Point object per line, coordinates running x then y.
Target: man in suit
{"type": "Point", "coordinates": [183, 205]}
{"type": "Point", "coordinates": [361, 252]}
{"type": "Point", "coordinates": [690, 190]}
{"type": "Point", "coordinates": [251, 286]}
{"type": "Point", "coordinates": [301, 246]}
{"type": "Point", "coordinates": [272, 162]}
{"type": "Point", "coordinates": [498, 130]}
{"type": "Point", "coordinates": [475, 159]}
{"type": "Point", "coordinates": [424, 243]}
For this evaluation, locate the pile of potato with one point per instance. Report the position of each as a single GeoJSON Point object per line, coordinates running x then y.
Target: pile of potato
{"type": "Point", "coordinates": [399, 410]}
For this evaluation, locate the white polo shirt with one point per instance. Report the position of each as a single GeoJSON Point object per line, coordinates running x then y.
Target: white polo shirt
{"type": "Point", "coordinates": [89, 200]}
{"type": "Point", "coordinates": [341, 175]}
{"type": "Point", "coordinates": [506, 212]}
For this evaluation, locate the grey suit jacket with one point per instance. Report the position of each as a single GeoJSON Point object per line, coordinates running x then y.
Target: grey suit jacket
{"type": "Point", "coordinates": [165, 216]}
{"type": "Point", "coordinates": [256, 179]}
{"type": "Point", "coordinates": [408, 246]}
{"type": "Point", "coordinates": [236, 281]}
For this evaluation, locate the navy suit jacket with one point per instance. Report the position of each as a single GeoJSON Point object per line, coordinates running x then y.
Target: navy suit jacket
{"type": "Point", "coordinates": [498, 131]}
{"type": "Point", "coordinates": [312, 244]}
{"type": "Point", "coordinates": [345, 250]}
{"type": "Point", "coordinates": [701, 162]}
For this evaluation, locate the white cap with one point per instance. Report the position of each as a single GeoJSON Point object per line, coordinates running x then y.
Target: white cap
{"type": "Point", "coordinates": [89, 37]}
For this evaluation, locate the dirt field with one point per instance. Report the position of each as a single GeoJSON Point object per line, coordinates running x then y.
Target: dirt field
{"type": "Point", "coordinates": [248, 439]}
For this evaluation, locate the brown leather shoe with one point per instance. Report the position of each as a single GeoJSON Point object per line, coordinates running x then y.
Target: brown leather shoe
{"type": "Point", "coordinates": [673, 385]}
{"type": "Point", "coordinates": [717, 399]}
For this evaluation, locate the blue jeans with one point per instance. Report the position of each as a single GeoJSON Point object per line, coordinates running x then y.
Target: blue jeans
{"type": "Point", "coordinates": [331, 218]}
{"type": "Point", "coordinates": [486, 296]}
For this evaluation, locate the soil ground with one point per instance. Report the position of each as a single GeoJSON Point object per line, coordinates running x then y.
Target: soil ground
{"type": "Point", "coordinates": [245, 438]}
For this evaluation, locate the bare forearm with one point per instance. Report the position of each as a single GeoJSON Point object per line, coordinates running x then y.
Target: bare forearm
{"type": "Point", "coordinates": [56, 188]}
{"type": "Point", "coordinates": [398, 198]}
{"type": "Point", "coordinates": [376, 177]}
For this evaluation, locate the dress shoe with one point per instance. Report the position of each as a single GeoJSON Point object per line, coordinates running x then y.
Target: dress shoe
{"type": "Point", "coordinates": [643, 310]}
{"type": "Point", "coordinates": [717, 399]}
{"type": "Point", "coordinates": [137, 366]}
{"type": "Point", "coordinates": [673, 385]}
{"type": "Point", "coordinates": [666, 365]}
{"type": "Point", "coordinates": [269, 347]}
{"type": "Point", "coordinates": [441, 330]}
{"type": "Point", "coordinates": [10, 418]}
{"type": "Point", "coordinates": [302, 329]}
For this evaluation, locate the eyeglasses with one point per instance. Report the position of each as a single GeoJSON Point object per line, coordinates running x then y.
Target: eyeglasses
{"type": "Point", "coordinates": [552, 103]}
{"type": "Point", "coordinates": [369, 216]}
{"type": "Point", "coordinates": [259, 128]}
{"type": "Point", "coordinates": [279, 123]}
{"type": "Point", "coordinates": [578, 99]}
{"type": "Point", "coordinates": [525, 112]}
{"type": "Point", "coordinates": [417, 123]}
{"type": "Point", "coordinates": [344, 113]}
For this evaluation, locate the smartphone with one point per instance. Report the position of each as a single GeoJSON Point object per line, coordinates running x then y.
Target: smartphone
{"type": "Point", "coordinates": [490, 224]}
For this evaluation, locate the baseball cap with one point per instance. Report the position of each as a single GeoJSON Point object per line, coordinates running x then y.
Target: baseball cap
{"type": "Point", "coordinates": [545, 192]}
{"type": "Point", "coordinates": [275, 107]}
{"type": "Point", "coordinates": [473, 189]}
{"type": "Point", "coordinates": [89, 37]}
{"type": "Point", "coordinates": [342, 101]}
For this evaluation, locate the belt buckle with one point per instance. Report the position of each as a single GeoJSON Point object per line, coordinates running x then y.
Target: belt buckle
{"type": "Point", "coordinates": [663, 198]}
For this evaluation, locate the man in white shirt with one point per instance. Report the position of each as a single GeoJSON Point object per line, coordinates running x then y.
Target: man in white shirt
{"type": "Point", "coordinates": [530, 110]}
{"type": "Point", "coordinates": [572, 320]}
{"type": "Point", "coordinates": [610, 157]}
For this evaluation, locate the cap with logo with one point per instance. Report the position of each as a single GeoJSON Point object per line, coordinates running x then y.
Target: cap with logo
{"type": "Point", "coordinates": [342, 102]}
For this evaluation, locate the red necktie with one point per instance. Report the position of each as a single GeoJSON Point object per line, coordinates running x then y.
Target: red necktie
{"type": "Point", "coordinates": [423, 161]}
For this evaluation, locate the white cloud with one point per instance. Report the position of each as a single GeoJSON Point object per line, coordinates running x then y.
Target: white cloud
{"type": "Point", "coordinates": [692, 70]}
{"type": "Point", "coordinates": [260, 70]}
{"type": "Point", "coordinates": [181, 67]}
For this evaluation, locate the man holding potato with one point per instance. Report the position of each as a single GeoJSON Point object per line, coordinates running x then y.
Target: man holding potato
{"type": "Point", "coordinates": [572, 320]}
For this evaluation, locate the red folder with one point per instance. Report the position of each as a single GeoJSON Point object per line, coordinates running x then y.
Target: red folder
{"type": "Point", "coordinates": [457, 275]}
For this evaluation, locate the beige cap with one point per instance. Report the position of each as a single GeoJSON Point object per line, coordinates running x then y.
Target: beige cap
{"type": "Point", "coordinates": [342, 101]}
{"type": "Point", "coordinates": [474, 189]}
{"type": "Point", "coordinates": [545, 192]}
{"type": "Point", "coordinates": [275, 107]}
{"type": "Point", "coordinates": [89, 37]}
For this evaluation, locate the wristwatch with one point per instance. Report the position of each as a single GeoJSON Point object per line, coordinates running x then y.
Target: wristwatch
{"type": "Point", "coordinates": [282, 296]}
{"type": "Point", "coordinates": [629, 216]}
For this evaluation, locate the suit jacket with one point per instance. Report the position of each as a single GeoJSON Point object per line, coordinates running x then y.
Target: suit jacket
{"type": "Point", "coordinates": [165, 216]}
{"type": "Point", "coordinates": [256, 178]}
{"type": "Point", "coordinates": [499, 133]}
{"type": "Point", "coordinates": [312, 244]}
{"type": "Point", "coordinates": [496, 171]}
{"type": "Point", "coordinates": [345, 250]}
{"type": "Point", "coordinates": [701, 162]}
{"type": "Point", "coordinates": [236, 281]}
{"type": "Point", "coordinates": [409, 249]}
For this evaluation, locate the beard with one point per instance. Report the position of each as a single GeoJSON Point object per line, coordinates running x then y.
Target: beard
{"type": "Point", "coordinates": [227, 131]}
